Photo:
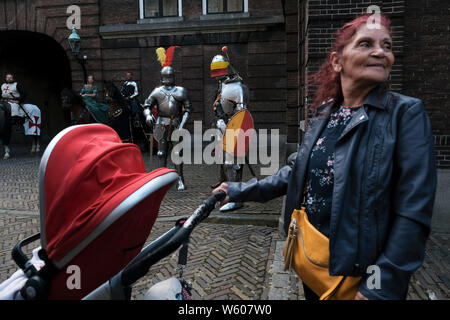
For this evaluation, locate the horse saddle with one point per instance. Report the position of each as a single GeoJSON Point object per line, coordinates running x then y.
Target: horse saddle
{"type": "Point", "coordinates": [116, 113]}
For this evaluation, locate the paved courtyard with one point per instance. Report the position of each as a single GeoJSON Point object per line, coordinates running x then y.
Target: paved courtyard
{"type": "Point", "coordinates": [231, 256]}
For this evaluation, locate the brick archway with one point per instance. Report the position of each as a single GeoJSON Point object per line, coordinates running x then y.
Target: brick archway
{"type": "Point", "coordinates": [41, 65]}
{"type": "Point", "coordinates": [48, 19]}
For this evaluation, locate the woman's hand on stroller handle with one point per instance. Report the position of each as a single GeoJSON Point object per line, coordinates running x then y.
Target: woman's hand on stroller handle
{"type": "Point", "coordinates": [203, 211]}
{"type": "Point", "coordinates": [222, 188]}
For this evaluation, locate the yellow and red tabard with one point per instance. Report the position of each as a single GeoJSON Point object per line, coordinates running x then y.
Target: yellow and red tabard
{"type": "Point", "coordinates": [238, 133]}
{"type": "Point", "coordinates": [219, 66]}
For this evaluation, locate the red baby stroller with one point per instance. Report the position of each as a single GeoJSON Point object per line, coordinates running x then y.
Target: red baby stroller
{"type": "Point", "coordinates": [97, 208]}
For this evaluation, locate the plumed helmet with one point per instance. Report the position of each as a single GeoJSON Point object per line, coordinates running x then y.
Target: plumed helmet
{"type": "Point", "coordinates": [219, 65]}
{"type": "Point", "coordinates": [165, 58]}
{"type": "Point", "coordinates": [167, 76]}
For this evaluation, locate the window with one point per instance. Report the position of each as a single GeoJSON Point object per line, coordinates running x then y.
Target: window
{"type": "Point", "coordinates": [160, 8]}
{"type": "Point", "coordinates": [224, 6]}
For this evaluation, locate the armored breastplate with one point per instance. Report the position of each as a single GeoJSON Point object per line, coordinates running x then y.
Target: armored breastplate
{"type": "Point", "coordinates": [169, 104]}
{"type": "Point", "coordinates": [233, 95]}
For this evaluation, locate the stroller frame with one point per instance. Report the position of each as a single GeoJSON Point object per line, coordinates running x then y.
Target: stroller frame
{"type": "Point", "coordinates": [119, 287]}
{"type": "Point", "coordinates": [126, 197]}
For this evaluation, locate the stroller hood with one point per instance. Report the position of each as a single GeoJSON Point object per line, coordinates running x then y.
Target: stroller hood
{"type": "Point", "coordinates": [95, 196]}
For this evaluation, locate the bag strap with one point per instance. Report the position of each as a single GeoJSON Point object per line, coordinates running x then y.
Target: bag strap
{"type": "Point", "coordinates": [182, 258]}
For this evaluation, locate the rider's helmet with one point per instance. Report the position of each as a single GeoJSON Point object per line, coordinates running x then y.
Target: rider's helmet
{"type": "Point", "coordinates": [219, 65]}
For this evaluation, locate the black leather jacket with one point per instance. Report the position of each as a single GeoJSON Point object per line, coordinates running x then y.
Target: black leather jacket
{"type": "Point", "coordinates": [384, 187]}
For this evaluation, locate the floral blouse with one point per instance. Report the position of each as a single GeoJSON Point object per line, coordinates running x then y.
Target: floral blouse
{"type": "Point", "coordinates": [320, 172]}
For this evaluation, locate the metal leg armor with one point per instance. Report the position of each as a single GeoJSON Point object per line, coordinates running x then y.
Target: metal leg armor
{"type": "Point", "coordinates": [162, 151]}
{"type": "Point", "coordinates": [7, 155]}
{"type": "Point", "coordinates": [179, 168]}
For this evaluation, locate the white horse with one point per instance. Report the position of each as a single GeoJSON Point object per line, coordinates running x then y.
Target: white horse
{"type": "Point", "coordinates": [32, 126]}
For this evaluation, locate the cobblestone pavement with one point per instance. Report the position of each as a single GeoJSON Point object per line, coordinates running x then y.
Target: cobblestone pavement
{"type": "Point", "coordinates": [235, 258]}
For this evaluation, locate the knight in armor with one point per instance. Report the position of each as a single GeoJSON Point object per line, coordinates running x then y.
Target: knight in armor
{"type": "Point", "coordinates": [130, 91]}
{"type": "Point", "coordinates": [232, 96]}
{"type": "Point", "coordinates": [173, 110]}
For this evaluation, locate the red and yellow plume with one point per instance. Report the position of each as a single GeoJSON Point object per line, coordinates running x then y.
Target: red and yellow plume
{"type": "Point", "coordinates": [166, 57]}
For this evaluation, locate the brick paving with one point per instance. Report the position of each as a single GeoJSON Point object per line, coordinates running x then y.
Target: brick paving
{"type": "Point", "coordinates": [239, 260]}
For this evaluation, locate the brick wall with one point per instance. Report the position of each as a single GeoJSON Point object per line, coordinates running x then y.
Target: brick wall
{"type": "Point", "coordinates": [293, 59]}
{"type": "Point", "coordinates": [274, 59]}
{"type": "Point", "coordinates": [421, 44]}
{"type": "Point", "coordinates": [326, 16]}
{"type": "Point", "coordinates": [426, 66]}
{"type": "Point", "coordinates": [49, 64]}
{"type": "Point", "coordinates": [257, 51]}
{"type": "Point", "coordinates": [259, 55]}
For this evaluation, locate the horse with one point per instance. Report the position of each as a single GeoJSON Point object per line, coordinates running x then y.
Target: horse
{"type": "Point", "coordinates": [119, 112]}
{"type": "Point", "coordinates": [31, 122]}
{"type": "Point", "coordinates": [79, 113]}
{"type": "Point", "coordinates": [73, 102]}
{"type": "Point", "coordinates": [137, 125]}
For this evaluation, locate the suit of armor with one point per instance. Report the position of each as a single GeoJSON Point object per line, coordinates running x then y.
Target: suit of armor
{"type": "Point", "coordinates": [232, 97]}
{"type": "Point", "coordinates": [173, 106]}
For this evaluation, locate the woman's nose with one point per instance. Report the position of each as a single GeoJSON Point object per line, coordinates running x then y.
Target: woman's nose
{"type": "Point", "coordinates": [378, 52]}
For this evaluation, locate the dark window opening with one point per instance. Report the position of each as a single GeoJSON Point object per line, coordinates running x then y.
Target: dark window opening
{"type": "Point", "coordinates": [225, 6]}
{"type": "Point", "coordinates": [160, 8]}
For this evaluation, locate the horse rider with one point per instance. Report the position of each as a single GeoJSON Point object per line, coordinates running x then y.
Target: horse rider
{"type": "Point", "coordinates": [232, 96]}
{"type": "Point", "coordinates": [14, 93]}
{"type": "Point", "coordinates": [130, 91]}
{"type": "Point", "coordinates": [173, 106]}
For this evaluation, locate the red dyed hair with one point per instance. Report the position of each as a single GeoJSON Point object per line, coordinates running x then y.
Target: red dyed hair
{"type": "Point", "coordinates": [329, 81]}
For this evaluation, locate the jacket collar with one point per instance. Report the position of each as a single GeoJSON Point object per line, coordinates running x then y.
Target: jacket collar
{"type": "Point", "coordinates": [377, 97]}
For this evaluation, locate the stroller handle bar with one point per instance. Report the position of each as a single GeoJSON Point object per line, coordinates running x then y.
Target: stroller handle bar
{"type": "Point", "coordinates": [119, 286]}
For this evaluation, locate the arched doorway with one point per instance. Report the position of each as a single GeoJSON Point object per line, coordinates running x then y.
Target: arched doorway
{"type": "Point", "coordinates": [41, 65]}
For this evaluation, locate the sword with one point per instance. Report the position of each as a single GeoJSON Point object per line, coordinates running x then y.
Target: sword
{"type": "Point", "coordinates": [20, 106]}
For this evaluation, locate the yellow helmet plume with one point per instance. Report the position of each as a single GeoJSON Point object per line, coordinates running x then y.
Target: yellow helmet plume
{"type": "Point", "coordinates": [161, 54]}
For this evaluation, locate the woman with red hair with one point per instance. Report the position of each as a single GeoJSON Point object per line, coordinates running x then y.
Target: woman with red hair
{"type": "Point", "coordinates": [364, 176]}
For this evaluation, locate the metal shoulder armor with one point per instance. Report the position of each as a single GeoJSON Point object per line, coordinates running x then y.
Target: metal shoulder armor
{"type": "Point", "coordinates": [181, 94]}
{"type": "Point", "coordinates": [234, 97]}
{"type": "Point", "coordinates": [153, 97]}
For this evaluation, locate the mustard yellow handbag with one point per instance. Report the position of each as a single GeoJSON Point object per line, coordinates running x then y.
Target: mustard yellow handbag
{"type": "Point", "coordinates": [307, 252]}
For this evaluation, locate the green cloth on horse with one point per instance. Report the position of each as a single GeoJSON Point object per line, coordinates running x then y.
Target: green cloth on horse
{"type": "Point", "coordinates": [98, 110]}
